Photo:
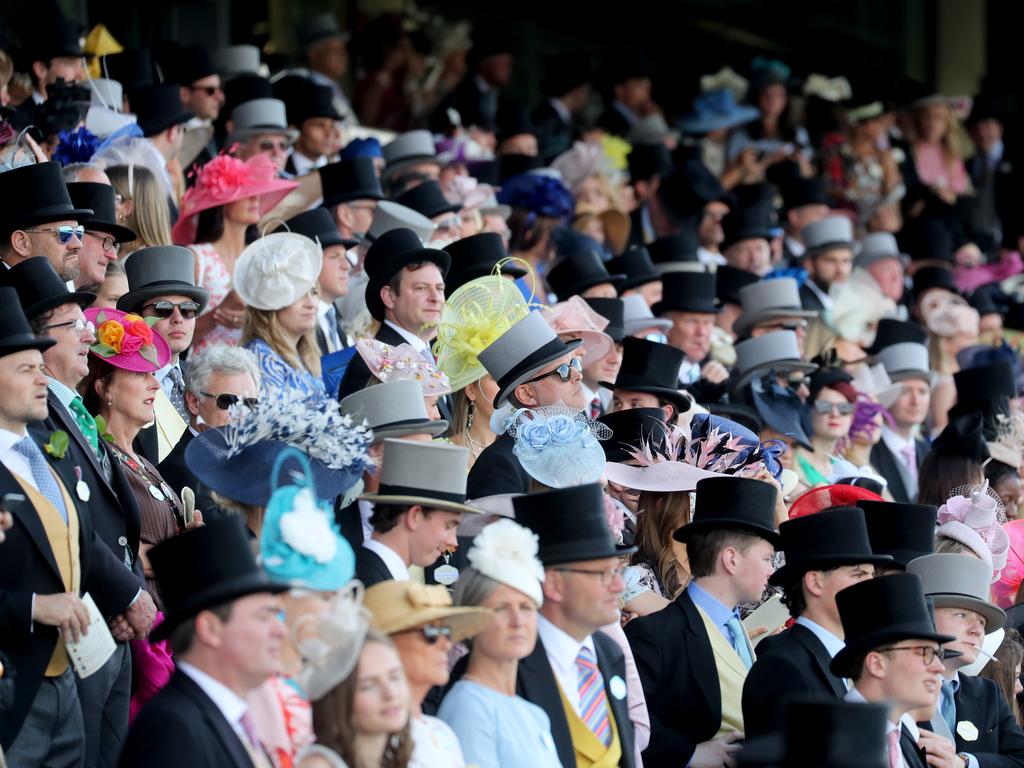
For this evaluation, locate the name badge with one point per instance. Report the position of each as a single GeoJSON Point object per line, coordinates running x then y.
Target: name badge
{"type": "Point", "coordinates": [82, 490]}
{"type": "Point", "coordinates": [967, 730]}
{"type": "Point", "coordinates": [618, 687]}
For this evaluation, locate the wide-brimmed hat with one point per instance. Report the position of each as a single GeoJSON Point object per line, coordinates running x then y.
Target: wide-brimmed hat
{"type": "Point", "coordinates": [636, 265]}
{"type": "Point", "coordinates": [613, 311]}
{"type": "Point", "coordinates": [827, 233]}
{"type": "Point", "coordinates": [958, 581]}
{"type": "Point", "coordinates": [716, 111]}
{"type": "Point", "coordinates": [517, 355]}
{"type": "Point", "coordinates": [127, 341]}
{"type": "Point", "coordinates": [224, 180]}
{"type": "Point", "coordinates": [827, 496]}
{"type": "Point", "coordinates": [576, 318]}
{"type": "Point", "coordinates": [318, 225]}
{"type": "Point", "coordinates": [477, 256]}
{"type": "Point", "coordinates": [632, 429]}
{"type": "Point", "coordinates": [831, 538]}
{"type": "Point", "coordinates": [100, 198]}
{"type": "Point", "coordinates": [206, 567]}
{"type": "Point", "coordinates": [259, 116]}
{"type": "Point", "coordinates": [398, 606]}
{"type": "Point", "coordinates": [891, 331]}
{"type": "Point", "coordinates": [570, 523]}
{"type": "Point", "coordinates": [40, 288]}
{"type": "Point", "coordinates": [403, 361]}
{"type": "Point", "coordinates": [878, 246]}
{"type": "Point", "coordinates": [158, 107]}
{"type": "Point", "coordinates": [348, 180]}
{"type": "Point", "coordinates": [36, 194]}
{"type": "Point", "coordinates": [161, 270]}
{"type": "Point", "coordinates": [431, 475]}
{"type": "Point", "coordinates": [652, 368]}
{"type": "Point", "coordinates": [687, 292]}
{"type": "Point", "coordinates": [738, 503]}
{"type": "Point", "coordinates": [580, 268]}
{"type": "Point", "coordinates": [661, 477]}
{"type": "Point", "coordinates": [277, 270]}
{"type": "Point", "coordinates": [673, 253]}
{"type": "Point", "coordinates": [637, 316]}
{"type": "Point", "coordinates": [766, 300]}
{"type": "Point", "coordinates": [777, 349]}
{"type": "Point", "coordinates": [393, 409]}
{"type": "Point", "coordinates": [15, 333]}
{"type": "Point", "coordinates": [880, 611]}
{"type": "Point", "coordinates": [408, 149]}
{"type": "Point", "coordinates": [873, 380]}
{"type": "Point", "coordinates": [904, 531]}
{"type": "Point", "coordinates": [388, 255]}
{"type": "Point", "coordinates": [428, 199]}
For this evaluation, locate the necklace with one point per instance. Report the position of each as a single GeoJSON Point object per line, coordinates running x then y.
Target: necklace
{"type": "Point", "coordinates": [474, 447]}
{"type": "Point", "coordinates": [156, 486]}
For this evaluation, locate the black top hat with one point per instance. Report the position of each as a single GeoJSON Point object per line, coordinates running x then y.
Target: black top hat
{"type": "Point", "coordinates": [880, 611]}
{"type": "Point", "coordinates": [636, 265]}
{"type": "Point", "coordinates": [653, 368]}
{"type": "Point", "coordinates": [687, 292]}
{"type": "Point", "coordinates": [563, 72]}
{"type": "Point", "coordinates": [190, 64]}
{"type": "Point", "coordinates": [158, 107]}
{"type": "Point", "coordinates": [570, 524]}
{"type": "Point", "coordinates": [203, 568]}
{"type": "Point", "coordinates": [927, 278]}
{"type": "Point", "coordinates": [476, 256]}
{"type": "Point", "coordinates": [579, 269]}
{"type": "Point", "coordinates": [984, 302]}
{"type": "Point", "coordinates": [317, 224]}
{"type": "Point", "coordinates": [161, 270]}
{"type": "Point", "coordinates": [36, 194]}
{"type": "Point", "coordinates": [347, 180]}
{"type": "Point", "coordinates": [740, 503]}
{"type": "Point", "coordinates": [54, 35]}
{"type": "Point", "coordinates": [245, 87]}
{"type": "Point", "coordinates": [833, 537]}
{"type": "Point", "coordinates": [981, 383]}
{"type": "Point", "coordinates": [892, 331]}
{"type": "Point", "coordinates": [647, 161]}
{"type": "Point", "coordinates": [679, 247]}
{"type": "Point", "coordinates": [686, 190]}
{"type": "Point", "coordinates": [15, 333]}
{"type": "Point", "coordinates": [729, 280]}
{"type": "Point", "coordinates": [391, 252]}
{"type": "Point", "coordinates": [799, 191]}
{"type": "Point", "coordinates": [99, 197]}
{"type": "Point", "coordinates": [513, 120]}
{"type": "Point", "coordinates": [40, 288]}
{"type": "Point", "coordinates": [613, 311]}
{"type": "Point", "coordinates": [514, 164]}
{"type": "Point", "coordinates": [304, 99]}
{"type": "Point", "coordinates": [428, 199]}
{"type": "Point", "coordinates": [749, 223]}
{"type": "Point", "coordinates": [903, 531]}
{"type": "Point", "coordinates": [964, 436]}
{"type": "Point", "coordinates": [632, 428]}
{"type": "Point", "coordinates": [132, 68]}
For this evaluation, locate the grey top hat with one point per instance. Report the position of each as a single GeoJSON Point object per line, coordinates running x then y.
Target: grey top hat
{"type": "Point", "coordinates": [251, 118]}
{"type": "Point", "coordinates": [236, 60]}
{"type": "Point", "coordinates": [432, 475]}
{"type": "Point", "coordinates": [767, 299]}
{"type": "Point", "coordinates": [317, 28]}
{"type": "Point", "coordinates": [830, 232]}
{"type": "Point", "coordinates": [161, 270]}
{"type": "Point", "coordinates": [393, 409]}
{"type": "Point", "coordinates": [106, 93]}
{"type": "Point", "coordinates": [637, 316]}
{"type": "Point", "coordinates": [389, 215]}
{"type": "Point", "coordinates": [959, 581]}
{"type": "Point", "coordinates": [407, 149]}
{"type": "Point", "coordinates": [906, 360]}
{"type": "Point", "coordinates": [876, 247]}
{"type": "Point", "coordinates": [517, 355]}
{"type": "Point", "coordinates": [778, 349]}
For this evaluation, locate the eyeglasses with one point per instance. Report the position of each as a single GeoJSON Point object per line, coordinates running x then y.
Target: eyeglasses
{"type": "Point", "coordinates": [108, 243]}
{"type": "Point", "coordinates": [787, 325]}
{"type": "Point", "coordinates": [209, 90]}
{"type": "Point", "coordinates": [432, 634]}
{"type": "Point", "coordinates": [928, 653]}
{"type": "Point", "coordinates": [64, 232]}
{"type": "Point", "coordinates": [226, 400]}
{"type": "Point", "coordinates": [607, 577]}
{"type": "Point", "coordinates": [78, 324]}
{"type": "Point", "coordinates": [564, 371]}
{"type": "Point", "coordinates": [824, 407]}
{"type": "Point", "coordinates": [270, 146]}
{"type": "Point", "coordinates": [164, 309]}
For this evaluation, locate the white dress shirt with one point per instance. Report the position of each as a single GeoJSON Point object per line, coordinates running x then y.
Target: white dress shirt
{"type": "Point", "coordinates": [365, 513]}
{"type": "Point", "coordinates": [396, 567]}
{"type": "Point", "coordinates": [13, 460]}
{"type": "Point", "coordinates": [166, 382]}
{"type": "Point", "coordinates": [304, 165]}
{"type": "Point", "coordinates": [898, 444]}
{"type": "Point", "coordinates": [417, 343]}
{"type": "Point", "coordinates": [227, 701]}
{"type": "Point", "coordinates": [331, 334]}
{"type": "Point", "coordinates": [562, 650]}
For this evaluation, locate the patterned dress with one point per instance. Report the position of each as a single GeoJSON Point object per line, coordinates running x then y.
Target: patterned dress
{"type": "Point", "coordinates": [214, 277]}
{"type": "Point", "coordinates": [278, 374]}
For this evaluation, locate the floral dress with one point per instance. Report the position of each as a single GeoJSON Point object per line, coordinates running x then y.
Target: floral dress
{"type": "Point", "coordinates": [641, 578]}
{"type": "Point", "coordinates": [214, 277]}
{"type": "Point", "coordinates": [278, 374]}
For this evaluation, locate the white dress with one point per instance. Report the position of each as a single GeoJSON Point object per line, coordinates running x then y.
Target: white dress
{"type": "Point", "coordinates": [315, 750]}
{"type": "Point", "coordinates": [435, 744]}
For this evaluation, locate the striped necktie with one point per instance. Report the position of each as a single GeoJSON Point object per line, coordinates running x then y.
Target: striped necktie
{"type": "Point", "coordinates": [593, 700]}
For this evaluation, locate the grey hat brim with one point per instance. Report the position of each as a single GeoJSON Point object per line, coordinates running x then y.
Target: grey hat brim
{"type": "Point", "coordinates": [642, 324]}
{"type": "Point", "coordinates": [745, 323]}
{"type": "Point", "coordinates": [401, 166]}
{"type": "Point", "coordinates": [422, 501]}
{"type": "Point", "coordinates": [135, 299]}
{"type": "Point", "coordinates": [525, 376]}
{"type": "Point", "coordinates": [432, 427]}
{"type": "Point", "coordinates": [789, 365]}
{"type": "Point", "coordinates": [245, 134]}
{"type": "Point", "coordinates": [995, 617]}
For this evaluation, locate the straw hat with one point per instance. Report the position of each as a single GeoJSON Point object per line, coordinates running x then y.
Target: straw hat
{"type": "Point", "coordinates": [398, 606]}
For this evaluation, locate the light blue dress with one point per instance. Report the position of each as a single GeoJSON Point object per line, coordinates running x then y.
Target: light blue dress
{"type": "Point", "coordinates": [277, 374]}
{"type": "Point", "coordinates": [496, 730]}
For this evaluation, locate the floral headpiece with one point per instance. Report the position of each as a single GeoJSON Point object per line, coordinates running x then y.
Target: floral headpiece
{"type": "Point", "coordinates": [558, 446]}
{"type": "Point", "coordinates": [973, 515]}
{"type": "Point", "coordinates": [128, 341]}
{"type": "Point", "coordinates": [76, 146]}
{"type": "Point", "coordinates": [1008, 447]}
{"type": "Point", "coordinates": [330, 652]}
{"type": "Point", "coordinates": [507, 552]}
{"type": "Point", "coordinates": [390, 363]}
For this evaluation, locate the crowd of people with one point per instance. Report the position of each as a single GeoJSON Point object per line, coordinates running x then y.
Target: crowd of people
{"type": "Point", "coordinates": [414, 426]}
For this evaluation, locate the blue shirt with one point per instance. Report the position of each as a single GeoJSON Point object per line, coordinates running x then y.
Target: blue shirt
{"type": "Point", "coordinates": [719, 612]}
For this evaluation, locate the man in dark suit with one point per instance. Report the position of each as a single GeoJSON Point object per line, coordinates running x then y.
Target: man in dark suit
{"type": "Point", "coordinates": [828, 259]}
{"type": "Point", "coordinates": [223, 626]}
{"type": "Point", "coordinates": [694, 654]}
{"type": "Point", "coordinates": [629, 94]}
{"type": "Point", "coordinates": [566, 88]}
{"type": "Point", "coordinates": [581, 587]}
{"type": "Point", "coordinates": [973, 712]}
{"type": "Point", "coordinates": [825, 553]}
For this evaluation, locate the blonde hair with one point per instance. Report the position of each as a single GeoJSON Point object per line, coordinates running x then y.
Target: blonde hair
{"type": "Point", "coordinates": [151, 215]}
{"type": "Point", "coordinates": [264, 324]}
{"type": "Point", "coordinates": [952, 153]}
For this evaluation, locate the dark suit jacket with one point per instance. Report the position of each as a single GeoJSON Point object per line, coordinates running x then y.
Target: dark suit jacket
{"type": "Point", "coordinates": [350, 522]}
{"type": "Point", "coordinates": [887, 464]}
{"type": "Point", "coordinates": [1000, 742]}
{"type": "Point", "coordinates": [535, 682]}
{"type": "Point", "coordinates": [321, 337]}
{"type": "Point", "coordinates": [554, 136]}
{"type": "Point", "coordinates": [912, 755]}
{"type": "Point", "coordinates": [370, 567]}
{"type": "Point", "coordinates": [809, 299]}
{"type": "Point", "coordinates": [677, 668]}
{"type": "Point", "coordinates": [793, 663]}
{"type": "Point", "coordinates": [614, 122]}
{"type": "Point", "coordinates": [636, 228]}
{"type": "Point", "coordinates": [147, 442]}
{"type": "Point", "coordinates": [175, 471]}
{"type": "Point", "coordinates": [182, 726]}
{"type": "Point", "coordinates": [357, 374]}
{"type": "Point", "coordinates": [497, 470]}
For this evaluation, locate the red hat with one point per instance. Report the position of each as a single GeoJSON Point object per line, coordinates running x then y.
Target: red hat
{"type": "Point", "coordinates": [817, 499]}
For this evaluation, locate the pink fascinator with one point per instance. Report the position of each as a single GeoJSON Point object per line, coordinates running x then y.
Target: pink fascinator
{"type": "Point", "coordinates": [575, 318]}
{"type": "Point", "coordinates": [390, 363]}
{"type": "Point", "coordinates": [973, 521]}
{"type": "Point", "coordinates": [1005, 588]}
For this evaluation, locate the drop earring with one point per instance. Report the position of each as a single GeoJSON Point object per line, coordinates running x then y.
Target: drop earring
{"type": "Point", "coordinates": [469, 418]}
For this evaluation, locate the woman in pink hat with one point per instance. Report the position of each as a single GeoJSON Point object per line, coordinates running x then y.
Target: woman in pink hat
{"type": "Point", "coordinates": [229, 197]}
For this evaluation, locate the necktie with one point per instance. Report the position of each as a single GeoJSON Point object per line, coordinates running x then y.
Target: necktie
{"type": "Point", "coordinates": [909, 453]}
{"type": "Point", "coordinates": [177, 393]}
{"type": "Point", "coordinates": [86, 423]}
{"type": "Point", "coordinates": [739, 641]}
{"type": "Point", "coordinates": [252, 745]}
{"type": "Point", "coordinates": [333, 338]}
{"type": "Point", "coordinates": [893, 739]}
{"type": "Point", "coordinates": [427, 355]}
{"type": "Point", "coordinates": [593, 700]}
{"type": "Point", "coordinates": [947, 705]}
{"type": "Point", "coordinates": [41, 474]}
{"type": "Point", "coordinates": [595, 407]}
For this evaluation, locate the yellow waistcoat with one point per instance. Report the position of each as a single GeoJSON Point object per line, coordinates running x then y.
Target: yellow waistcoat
{"type": "Point", "coordinates": [63, 538]}
{"type": "Point", "coordinates": [169, 425]}
{"type": "Point", "coordinates": [590, 750]}
{"type": "Point", "coordinates": [731, 675]}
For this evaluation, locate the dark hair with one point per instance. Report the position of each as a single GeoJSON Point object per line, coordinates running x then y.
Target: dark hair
{"type": "Point", "coordinates": [940, 473]}
{"type": "Point", "coordinates": [527, 229]}
{"type": "Point", "coordinates": [99, 369]}
{"type": "Point", "coordinates": [395, 281]}
{"type": "Point", "coordinates": [39, 322]}
{"type": "Point", "coordinates": [704, 548]}
{"type": "Point", "coordinates": [210, 224]}
{"type": "Point", "coordinates": [793, 596]}
{"type": "Point", "coordinates": [183, 635]}
{"type": "Point", "coordinates": [385, 516]}
{"type": "Point", "coordinates": [995, 471]}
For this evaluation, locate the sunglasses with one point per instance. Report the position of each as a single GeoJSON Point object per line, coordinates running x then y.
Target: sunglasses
{"type": "Point", "coordinates": [564, 371]}
{"type": "Point", "coordinates": [824, 407]}
{"type": "Point", "coordinates": [64, 233]}
{"type": "Point", "coordinates": [270, 146]}
{"type": "Point", "coordinates": [209, 90]}
{"type": "Point", "coordinates": [106, 241]}
{"type": "Point", "coordinates": [432, 634]}
{"type": "Point", "coordinates": [164, 309]}
{"type": "Point", "coordinates": [226, 400]}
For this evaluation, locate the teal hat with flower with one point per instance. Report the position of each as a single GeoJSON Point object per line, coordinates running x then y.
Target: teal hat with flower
{"type": "Point", "coordinates": [127, 341]}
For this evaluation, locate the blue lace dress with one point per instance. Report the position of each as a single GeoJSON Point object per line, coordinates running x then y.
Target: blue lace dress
{"type": "Point", "coordinates": [278, 374]}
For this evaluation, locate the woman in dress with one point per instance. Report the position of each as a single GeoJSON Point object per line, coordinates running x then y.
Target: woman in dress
{"type": "Point", "coordinates": [496, 727]}
{"type": "Point", "coordinates": [228, 198]}
{"type": "Point", "coordinates": [832, 400]}
{"type": "Point", "coordinates": [141, 205]}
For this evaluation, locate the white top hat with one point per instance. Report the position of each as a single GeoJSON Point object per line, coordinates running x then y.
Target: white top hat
{"type": "Point", "coordinates": [408, 149]}
{"type": "Point", "coordinates": [778, 349]}
{"type": "Point", "coordinates": [878, 246]}
{"type": "Point", "coordinates": [106, 93]}
{"type": "Point", "coordinates": [236, 60]}
{"type": "Point", "coordinates": [767, 299]}
{"type": "Point", "coordinates": [432, 475]}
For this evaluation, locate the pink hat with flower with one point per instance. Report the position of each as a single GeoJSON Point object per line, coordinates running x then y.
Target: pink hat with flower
{"type": "Point", "coordinates": [226, 179]}
{"type": "Point", "coordinates": [127, 341]}
{"type": "Point", "coordinates": [389, 363]}
{"type": "Point", "coordinates": [973, 521]}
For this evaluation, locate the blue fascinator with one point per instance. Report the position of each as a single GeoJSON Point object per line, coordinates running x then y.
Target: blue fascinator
{"type": "Point", "coordinates": [558, 446]}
